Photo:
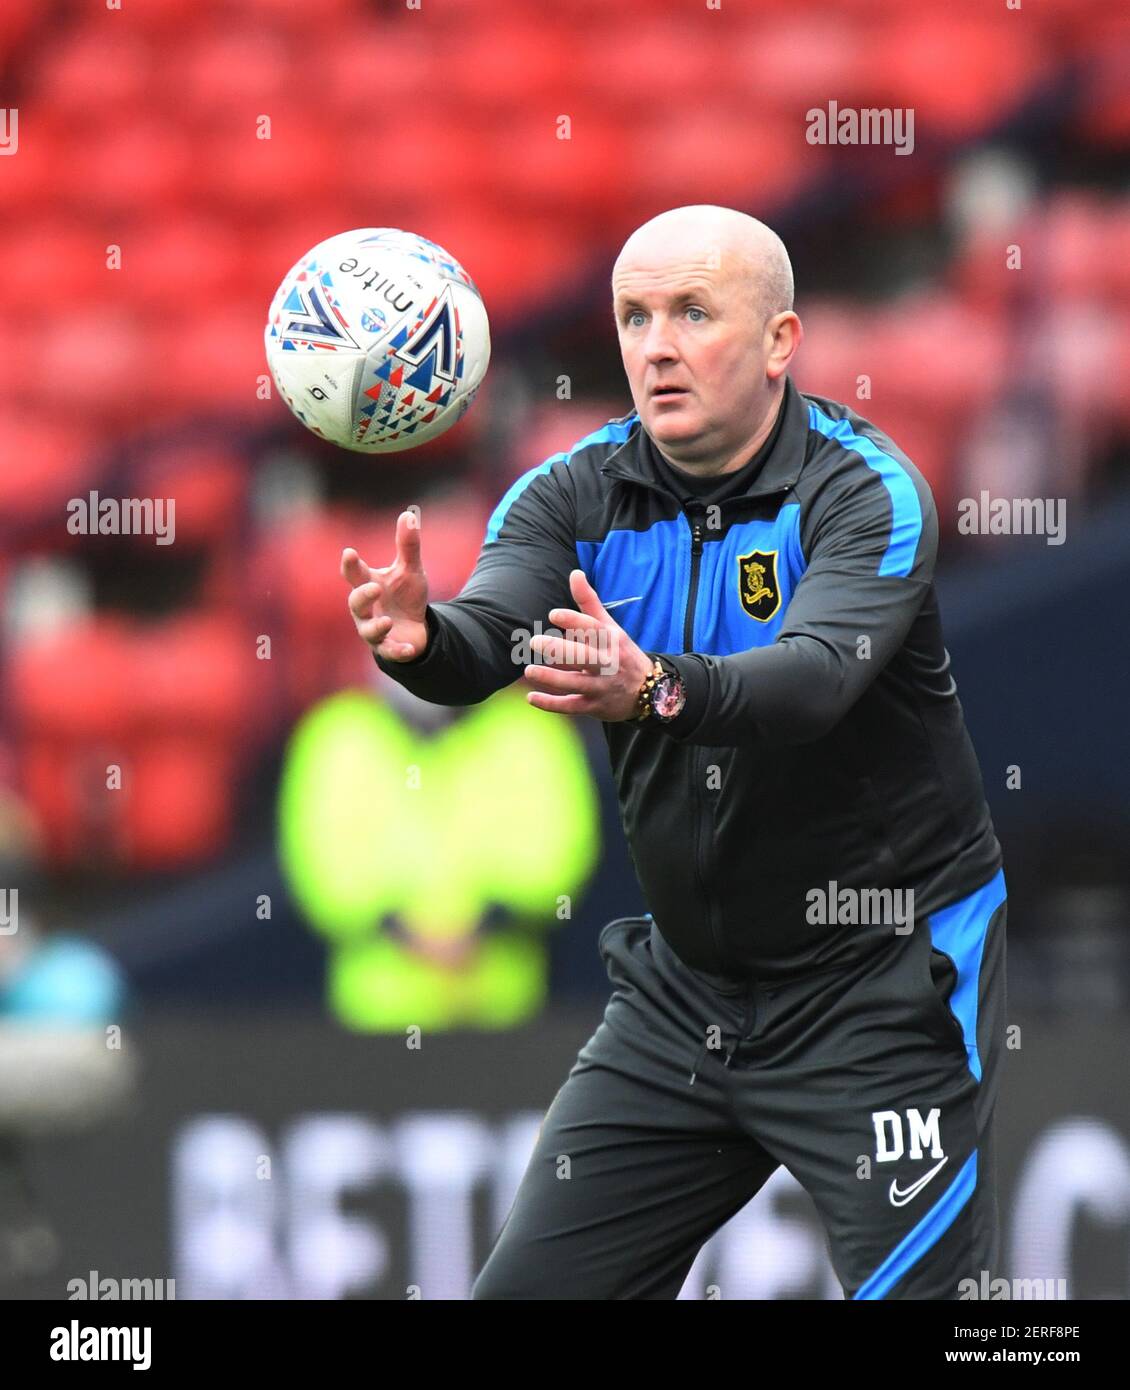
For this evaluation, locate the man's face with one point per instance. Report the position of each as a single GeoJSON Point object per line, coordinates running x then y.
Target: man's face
{"type": "Point", "coordinates": [694, 352]}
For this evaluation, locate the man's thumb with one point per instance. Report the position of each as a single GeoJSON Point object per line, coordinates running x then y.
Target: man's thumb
{"type": "Point", "coordinates": [585, 596]}
{"type": "Point", "coordinates": [354, 570]}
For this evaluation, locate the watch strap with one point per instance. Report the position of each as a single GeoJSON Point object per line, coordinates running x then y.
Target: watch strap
{"type": "Point", "coordinates": [647, 688]}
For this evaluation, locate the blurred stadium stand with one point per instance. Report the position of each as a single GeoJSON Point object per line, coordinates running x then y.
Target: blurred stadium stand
{"type": "Point", "coordinates": [187, 668]}
{"type": "Point", "coordinates": [144, 380]}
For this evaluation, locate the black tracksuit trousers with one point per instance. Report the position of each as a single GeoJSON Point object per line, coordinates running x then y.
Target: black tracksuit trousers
{"type": "Point", "coordinates": [875, 1088]}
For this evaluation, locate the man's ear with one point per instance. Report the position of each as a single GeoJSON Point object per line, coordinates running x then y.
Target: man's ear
{"type": "Point", "coordinates": [785, 334]}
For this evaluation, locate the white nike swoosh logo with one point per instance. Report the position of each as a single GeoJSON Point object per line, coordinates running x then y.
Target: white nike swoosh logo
{"type": "Point", "coordinates": [900, 1199]}
{"type": "Point", "coordinates": [616, 602]}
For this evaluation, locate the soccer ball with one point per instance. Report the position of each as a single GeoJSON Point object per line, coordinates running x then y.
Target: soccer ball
{"type": "Point", "coordinates": [378, 340]}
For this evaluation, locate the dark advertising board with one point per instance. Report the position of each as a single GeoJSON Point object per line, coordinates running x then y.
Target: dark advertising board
{"type": "Point", "coordinates": [281, 1158]}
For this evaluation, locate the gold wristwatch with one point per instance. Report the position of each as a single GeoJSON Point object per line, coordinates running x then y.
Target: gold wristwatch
{"type": "Point", "coordinates": [662, 694]}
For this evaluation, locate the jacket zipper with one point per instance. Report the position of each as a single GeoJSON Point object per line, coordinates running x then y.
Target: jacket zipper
{"type": "Point", "coordinates": [692, 590]}
{"type": "Point", "coordinates": [698, 764]}
{"type": "Point", "coordinates": [698, 792]}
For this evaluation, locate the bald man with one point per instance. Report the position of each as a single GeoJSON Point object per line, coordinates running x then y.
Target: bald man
{"type": "Point", "coordinates": [740, 580]}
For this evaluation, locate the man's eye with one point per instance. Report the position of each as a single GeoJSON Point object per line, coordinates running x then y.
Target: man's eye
{"type": "Point", "coordinates": [635, 314]}
{"type": "Point", "coordinates": [701, 314]}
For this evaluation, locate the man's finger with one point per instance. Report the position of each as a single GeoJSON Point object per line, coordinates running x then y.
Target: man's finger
{"type": "Point", "coordinates": [569, 618]}
{"type": "Point", "coordinates": [588, 601]}
{"type": "Point", "coordinates": [354, 570]}
{"type": "Point", "coordinates": [362, 598]}
{"type": "Point", "coordinates": [559, 704]}
{"type": "Point", "coordinates": [408, 540]}
{"type": "Point", "coordinates": [376, 629]}
{"type": "Point", "coordinates": [562, 681]}
{"type": "Point", "coordinates": [573, 655]}
{"type": "Point", "coordinates": [397, 651]}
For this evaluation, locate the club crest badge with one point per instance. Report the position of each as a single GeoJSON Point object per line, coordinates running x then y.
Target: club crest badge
{"type": "Point", "coordinates": [757, 584]}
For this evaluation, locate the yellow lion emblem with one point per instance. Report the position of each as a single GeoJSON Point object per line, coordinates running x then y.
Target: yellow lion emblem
{"type": "Point", "coordinates": [757, 584]}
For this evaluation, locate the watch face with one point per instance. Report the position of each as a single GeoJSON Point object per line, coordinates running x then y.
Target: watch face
{"type": "Point", "coordinates": [668, 698]}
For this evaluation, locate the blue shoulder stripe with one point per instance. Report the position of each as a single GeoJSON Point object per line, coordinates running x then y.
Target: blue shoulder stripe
{"type": "Point", "coordinates": [906, 510]}
{"type": "Point", "coordinates": [615, 432]}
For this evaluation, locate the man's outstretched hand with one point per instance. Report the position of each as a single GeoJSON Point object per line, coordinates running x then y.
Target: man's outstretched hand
{"type": "Point", "coordinates": [594, 669]}
{"type": "Point", "coordinates": [389, 605]}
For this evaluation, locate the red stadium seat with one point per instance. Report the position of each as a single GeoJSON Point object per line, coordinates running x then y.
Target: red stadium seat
{"type": "Point", "coordinates": [798, 61]}
{"type": "Point", "coordinates": [209, 484]}
{"type": "Point", "coordinates": [170, 20]}
{"type": "Point", "coordinates": [99, 355]}
{"type": "Point", "coordinates": [30, 179]}
{"type": "Point", "coordinates": [437, 158]}
{"type": "Point", "coordinates": [1106, 102]}
{"type": "Point", "coordinates": [18, 19]}
{"type": "Point", "coordinates": [200, 679]}
{"type": "Point", "coordinates": [377, 70]}
{"type": "Point", "coordinates": [242, 172]}
{"type": "Point", "coordinates": [733, 156]}
{"type": "Point", "coordinates": [92, 71]}
{"type": "Point", "coordinates": [515, 66]}
{"type": "Point", "coordinates": [343, 18]}
{"type": "Point", "coordinates": [684, 56]}
{"type": "Point", "coordinates": [56, 261]}
{"type": "Point", "coordinates": [169, 262]}
{"type": "Point", "coordinates": [957, 74]}
{"type": "Point", "coordinates": [44, 462]}
{"type": "Point", "coordinates": [1114, 256]}
{"type": "Point", "coordinates": [211, 362]}
{"type": "Point", "coordinates": [1069, 238]}
{"type": "Point", "coordinates": [979, 271]}
{"type": "Point", "coordinates": [241, 69]}
{"type": "Point", "coordinates": [134, 165]}
{"type": "Point", "coordinates": [575, 178]}
{"type": "Point", "coordinates": [1083, 350]}
{"type": "Point", "coordinates": [928, 348]}
{"type": "Point", "coordinates": [179, 806]}
{"type": "Point", "coordinates": [174, 726]}
{"type": "Point", "coordinates": [173, 808]}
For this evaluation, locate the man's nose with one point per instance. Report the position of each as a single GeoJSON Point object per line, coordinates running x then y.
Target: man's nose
{"type": "Point", "coordinates": [659, 345]}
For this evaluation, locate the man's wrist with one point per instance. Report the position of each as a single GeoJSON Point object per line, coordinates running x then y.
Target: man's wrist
{"type": "Point", "coordinates": [643, 707]}
{"type": "Point", "coordinates": [431, 622]}
{"type": "Point", "coordinates": [662, 693]}
{"type": "Point", "coordinates": [685, 708]}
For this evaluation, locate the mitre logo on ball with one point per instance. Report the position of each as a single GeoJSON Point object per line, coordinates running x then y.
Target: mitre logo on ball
{"type": "Point", "coordinates": [378, 340]}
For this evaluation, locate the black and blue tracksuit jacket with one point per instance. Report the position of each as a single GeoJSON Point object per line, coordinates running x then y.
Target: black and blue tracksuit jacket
{"type": "Point", "coordinates": [822, 741]}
